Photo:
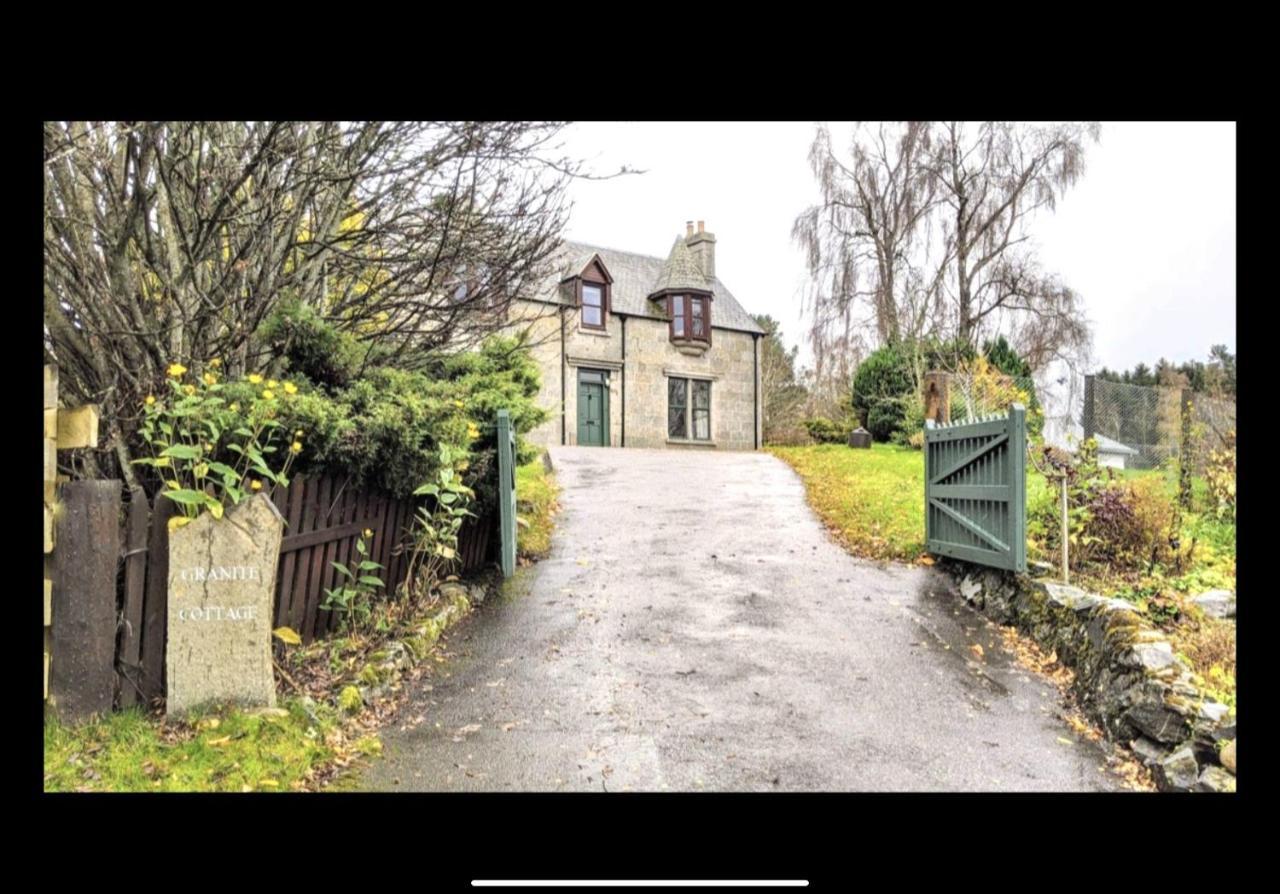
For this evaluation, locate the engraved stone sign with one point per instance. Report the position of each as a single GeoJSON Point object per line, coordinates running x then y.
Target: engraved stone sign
{"type": "Point", "coordinates": [222, 579]}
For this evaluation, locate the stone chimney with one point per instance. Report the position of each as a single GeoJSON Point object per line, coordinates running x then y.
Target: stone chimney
{"type": "Point", "coordinates": [703, 246]}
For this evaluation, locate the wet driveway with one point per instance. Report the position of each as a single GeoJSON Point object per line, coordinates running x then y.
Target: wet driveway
{"type": "Point", "coordinates": [695, 629]}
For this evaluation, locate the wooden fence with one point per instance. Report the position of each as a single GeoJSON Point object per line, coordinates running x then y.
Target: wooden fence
{"type": "Point", "coordinates": [324, 517]}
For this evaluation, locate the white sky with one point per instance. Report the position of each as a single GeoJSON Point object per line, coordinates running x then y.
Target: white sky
{"type": "Point", "coordinates": [1147, 236]}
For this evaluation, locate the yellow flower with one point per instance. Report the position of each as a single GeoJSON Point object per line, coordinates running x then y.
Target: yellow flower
{"type": "Point", "coordinates": [151, 399]}
{"type": "Point", "coordinates": [254, 378]}
{"type": "Point", "coordinates": [173, 484]}
{"type": "Point", "coordinates": [210, 378]}
{"type": "Point", "coordinates": [235, 408]}
{"type": "Point", "coordinates": [368, 533]}
{"type": "Point", "coordinates": [290, 388]}
{"type": "Point", "coordinates": [176, 369]}
{"type": "Point", "coordinates": [271, 383]}
{"type": "Point", "coordinates": [189, 389]}
{"type": "Point", "coordinates": [268, 395]}
{"type": "Point", "coordinates": [215, 363]}
{"type": "Point", "coordinates": [462, 467]}
{"type": "Point", "coordinates": [298, 433]}
{"type": "Point", "coordinates": [296, 447]}
{"type": "Point", "coordinates": [255, 484]}
{"type": "Point", "coordinates": [162, 462]}
{"type": "Point", "coordinates": [458, 404]}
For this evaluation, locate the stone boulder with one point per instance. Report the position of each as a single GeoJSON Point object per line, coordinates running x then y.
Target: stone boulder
{"type": "Point", "coordinates": [1217, 603]}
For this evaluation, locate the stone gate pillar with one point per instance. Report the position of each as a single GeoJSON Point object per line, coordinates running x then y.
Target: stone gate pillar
{"type": "Point", "coordinates": [937, 396]}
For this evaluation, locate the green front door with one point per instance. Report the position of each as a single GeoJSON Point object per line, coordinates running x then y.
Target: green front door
{"type": "Point", "coordinates": [593, 408]}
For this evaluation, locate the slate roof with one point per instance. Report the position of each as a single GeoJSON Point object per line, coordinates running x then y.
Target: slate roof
{"type": "Point", "coordinates": [636, 277]}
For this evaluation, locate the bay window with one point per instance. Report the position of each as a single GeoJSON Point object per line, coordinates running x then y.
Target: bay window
{"type": "Point", "coordinates": [690, 316]}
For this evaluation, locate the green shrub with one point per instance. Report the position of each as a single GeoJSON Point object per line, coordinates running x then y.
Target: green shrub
{"type": "Point", "coordinates": [827, 431]}
{"type": "Point", "coordinates": [882, 387]}
{"type": "Point", "coordinates": [313, 347]}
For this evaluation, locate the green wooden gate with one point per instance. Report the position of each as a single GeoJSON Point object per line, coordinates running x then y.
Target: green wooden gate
{"type": "Point", "coordinates": [975, 490]}
{"type": "Point", "coordinates": [507, 492]}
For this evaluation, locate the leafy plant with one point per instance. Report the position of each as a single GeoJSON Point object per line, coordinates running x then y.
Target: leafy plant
{"type": "Point", "coordinates": [434, 546]}
{"type": "Point", "coordinates": [353, 600]}
{"type": "Point", "coordinates": [209, 450]}
{"type": "Point", "coordinates": [1220, 475]}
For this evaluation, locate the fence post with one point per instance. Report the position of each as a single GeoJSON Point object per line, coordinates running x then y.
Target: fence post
{"type": "Point", "coordinates": [1088, 421]}
{"type": "Point", "coordinates": [506, 493]}
{"type": "Point", "coordinates": [1018, 499]}
{"type": "Point", "coordinates": [1186, 448]}
{"type": "Point", "coordinates": [82, 679]}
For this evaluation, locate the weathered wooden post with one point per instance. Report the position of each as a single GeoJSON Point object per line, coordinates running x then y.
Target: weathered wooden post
{"type": "Point", "coordinates": [1087, 422]}
{"type": "Point", "coordinates": [937, 396]}
{"type": "Point", "coordinates": [79, 612]}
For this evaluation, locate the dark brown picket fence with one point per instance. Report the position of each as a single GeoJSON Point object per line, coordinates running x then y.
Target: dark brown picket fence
{"type": "Point", "coordinates": [324, 516]}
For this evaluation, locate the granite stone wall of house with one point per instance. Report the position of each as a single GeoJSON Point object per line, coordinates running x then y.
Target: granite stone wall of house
{"type": "Point", "coordinates": [651, 358]}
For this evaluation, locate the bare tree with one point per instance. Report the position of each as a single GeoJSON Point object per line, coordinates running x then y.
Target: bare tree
{"type": "Point", "coordinates": [172, 241]}
{"type": "Point", "coordinates": [859, 241]}
{"type": "Point", "coordinates": [993, 177]}
{"type": "Point", "coordinates": [784, 394]}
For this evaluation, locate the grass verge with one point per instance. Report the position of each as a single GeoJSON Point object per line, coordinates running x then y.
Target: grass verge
{"type": "Point", "coordinates": [219, 750]}
{"type": "Point", "coordinates": [536, 494]}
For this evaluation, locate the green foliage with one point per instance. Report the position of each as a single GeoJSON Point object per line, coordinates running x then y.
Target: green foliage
{"type": "Point", "coordinates": [882, 388]}
{"type": "Point", "coordinates": [436, 524]}
{"type": "Point", "coordinates": [827, 431]}
{"type": "Point", "coordinates": [353, 598]}
{"type": "Point", "coordinates": [386, 429]}
{"type": "Point", "coordinates": [311, 346]}
{"type": "Point", "coordinates": [536, 493]}
{"type": "Point", "coordinates": [211, 445]}
{"type": "Point", "coordinates": [1220, 474]}
{"type": "Point", "coordinates": [225, 750]}
{"type": "Point", "coordinates": [350, 700]}
{"type": "Point", "coordinates": [1002, 356]}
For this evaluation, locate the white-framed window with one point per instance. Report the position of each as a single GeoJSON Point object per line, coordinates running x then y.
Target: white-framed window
{"type": "Point", "coordinates": [688, 409]}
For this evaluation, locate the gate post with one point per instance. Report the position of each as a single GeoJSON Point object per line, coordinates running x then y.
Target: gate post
{"type": "Point", "coordinates": [1018, 503]}
{"type": "Point", "coordinates": [937, 396]}
{"type": "Point", "coordinates": [507, 493]}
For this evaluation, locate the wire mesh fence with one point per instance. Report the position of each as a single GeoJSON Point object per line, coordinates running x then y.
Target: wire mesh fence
{"type": "Point", "coordinates": [1143, 427]}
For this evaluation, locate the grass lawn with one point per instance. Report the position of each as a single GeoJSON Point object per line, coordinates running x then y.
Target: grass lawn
{"type": "Point", "coordinates": [227, 750]}
{"type": "Point", "coordinates": [872, 500]}
{"type": "Point", "coordinates": [536, 493]}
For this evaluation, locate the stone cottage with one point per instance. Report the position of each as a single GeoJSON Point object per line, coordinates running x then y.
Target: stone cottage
{"type": "Point", "coordinates": [641, 351]}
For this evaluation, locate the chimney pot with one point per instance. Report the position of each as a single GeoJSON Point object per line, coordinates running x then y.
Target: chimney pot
{"type": "Point", "coordinates": [688, 228]}
{"type": "Point", "coordinates": [701, 226]}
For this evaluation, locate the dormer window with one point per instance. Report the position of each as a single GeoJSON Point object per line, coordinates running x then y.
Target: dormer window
{"type": "Point", "coordinates": [690, 317]}
{"type": "Point", "coordinates": [588, 283]}
{"type": "Point", "coordinates": [592, 298]}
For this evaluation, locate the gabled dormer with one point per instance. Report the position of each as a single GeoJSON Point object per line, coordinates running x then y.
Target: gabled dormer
{"type": "Point", "coordinates": [683, 291]}
{"type": "Point", "coordinates": [589, 284]}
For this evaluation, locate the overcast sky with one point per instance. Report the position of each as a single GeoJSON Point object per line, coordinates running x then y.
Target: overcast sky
{"type": "Point", "coordinates": [1147, 236]}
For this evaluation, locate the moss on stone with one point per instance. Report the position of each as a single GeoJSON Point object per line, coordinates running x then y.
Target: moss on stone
{"type": "Point", "coordinates": [350, 700]}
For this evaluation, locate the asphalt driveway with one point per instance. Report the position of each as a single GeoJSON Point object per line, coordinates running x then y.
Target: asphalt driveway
{"type": "Point", "coordinates": [695, 629]}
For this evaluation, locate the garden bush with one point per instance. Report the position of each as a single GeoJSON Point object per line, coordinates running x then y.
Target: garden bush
{"type": "Point", "coordinates": [312, 347]}
{"type": "Point", "coordinates": [881, 389]}
{"type": "Point", "coordinates": [827, 431]}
